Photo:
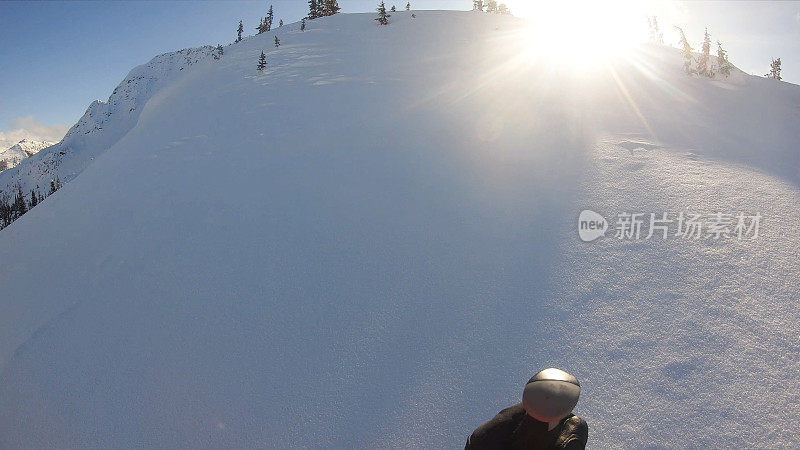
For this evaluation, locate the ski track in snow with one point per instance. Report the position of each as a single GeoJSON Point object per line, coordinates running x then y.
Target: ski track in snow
{"type": "Point", "coordinates": [373, 244]}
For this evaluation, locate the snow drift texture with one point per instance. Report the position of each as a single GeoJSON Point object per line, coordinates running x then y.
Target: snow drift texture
{"type": "Point", "coordinates": [373, 244]}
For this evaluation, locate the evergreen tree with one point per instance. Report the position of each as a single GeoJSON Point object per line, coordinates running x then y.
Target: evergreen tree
{"type": "Point", "coordinates": [491, 6]}
{"type": "Point", "coordinates": [394, 9]}
{"type": "Point", "coordinates": [687, 53]}
{"type": "Point", "coordinates": [239, 31]}
{"type": "Point", "coordinates": [477, 5]}
{"type": "Point", "coordinates": [408, 6]}
{"type": "Point", "coordinates": [280, 23]}
{"type": "Point", "coordinates": [5, 211]}
{"type": "Point", "coordinates": [218, 52]}
{"type": "Point", "coordinates": [19, 201]}
{"type": "Point", "coordinates": [383, 18]}
{"type": "Point", "coordinates": [52, 187]}
{"type": "Point", "coordinates": [775, 70]}
{"type": "Point", "coordinates": [330, 7]}
{"type": "Point", "coordinates": [277, 42]}
{"type": "Point", "coordinates": [656, 36]}
{"type": "Point", "coordinates": [269, 18]}
{"type": "Point", "coordinates": [262, 26]}
{"type": "Point", "coordinates": [702, 65]}
{"type": "Point", "coordinates": [303, 24]}
{"type": "Point", "coordinates": [262, 62]}
{"type": "Point", "coordinates": [722, 60]}
{"type": "Point", "coordinates": [659, 34]}
{"type": "Point", "coordinates": [58, 183]}
{"type": "Point", "coordinates": [41, 197]}
{"type": "Point", "coordinates": [34, 199]}
{"type": "Point", "coordinates": [312, 9]}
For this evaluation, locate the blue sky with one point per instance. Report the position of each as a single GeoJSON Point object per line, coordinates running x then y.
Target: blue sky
{"type": "Point", "coordinates": [59, 56]}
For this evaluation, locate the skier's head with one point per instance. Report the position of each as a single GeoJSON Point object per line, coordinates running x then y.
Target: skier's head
{"type": "Point", "coordinates": [550, 395]}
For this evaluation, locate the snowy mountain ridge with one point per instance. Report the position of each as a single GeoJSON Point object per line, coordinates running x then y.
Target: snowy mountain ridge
{"type": "Point", "coordinates": [103, 123]}
{"type": "Point", "coordinates": [20, 151]}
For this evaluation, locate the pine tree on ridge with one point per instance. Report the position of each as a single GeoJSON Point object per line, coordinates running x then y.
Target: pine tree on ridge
{"type": "Point", "coordinates": [383, 18]}
{"type": "Point", "coordinates": [722, 60]}
{"type": "Point", "coordinates": [687, 53]}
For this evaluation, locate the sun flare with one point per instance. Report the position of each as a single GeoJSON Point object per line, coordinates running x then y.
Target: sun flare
{"type": "Point", "coordinates": [583, 34]}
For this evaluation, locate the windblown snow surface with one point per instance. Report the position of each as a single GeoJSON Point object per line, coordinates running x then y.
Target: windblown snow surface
{"type": "Point", "coordinates": [374, 244]}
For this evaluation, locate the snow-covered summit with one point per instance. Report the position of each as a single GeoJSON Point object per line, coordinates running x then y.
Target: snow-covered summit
{"type": "Point", "coordinates": [373, 244]}
{"type": "Point", "coordinates": [21, 150]}
{"type": "Point", "coordinates": [103, 123]}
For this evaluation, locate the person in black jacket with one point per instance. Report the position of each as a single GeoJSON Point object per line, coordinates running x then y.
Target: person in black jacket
{"type": "Point", "coordinates": [543, 420]}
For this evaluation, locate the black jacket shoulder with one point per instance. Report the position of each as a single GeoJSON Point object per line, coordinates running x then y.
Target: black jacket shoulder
{"type": "Point", "coordinates": [497, 432]}
{"type": "Point", "coordinates": [512, 428]}
{"type": "Point", "coordinates": [574, 434]}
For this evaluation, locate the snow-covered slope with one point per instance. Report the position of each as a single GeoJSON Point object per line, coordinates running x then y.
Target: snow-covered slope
{"type": "Point", "coordinates": [373, 244]}
{"type": "Point", "coordinates": [21, 150]}
{"type": "Point", "coordinates": [103, 123]}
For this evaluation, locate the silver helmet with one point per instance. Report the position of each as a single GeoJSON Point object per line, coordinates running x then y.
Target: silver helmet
{"type": "Point", "coordinates": [550, 395]}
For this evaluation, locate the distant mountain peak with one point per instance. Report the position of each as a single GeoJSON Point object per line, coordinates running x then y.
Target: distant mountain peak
{"type": "Point", "coordinates": [20, 151]}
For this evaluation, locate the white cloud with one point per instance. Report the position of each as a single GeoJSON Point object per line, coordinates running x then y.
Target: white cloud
{"type": "Point", "coordinates": [27, 127]}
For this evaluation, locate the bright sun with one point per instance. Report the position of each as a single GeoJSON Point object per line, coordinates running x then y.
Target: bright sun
{"type": "Point", "coordinates": [582, 33]}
